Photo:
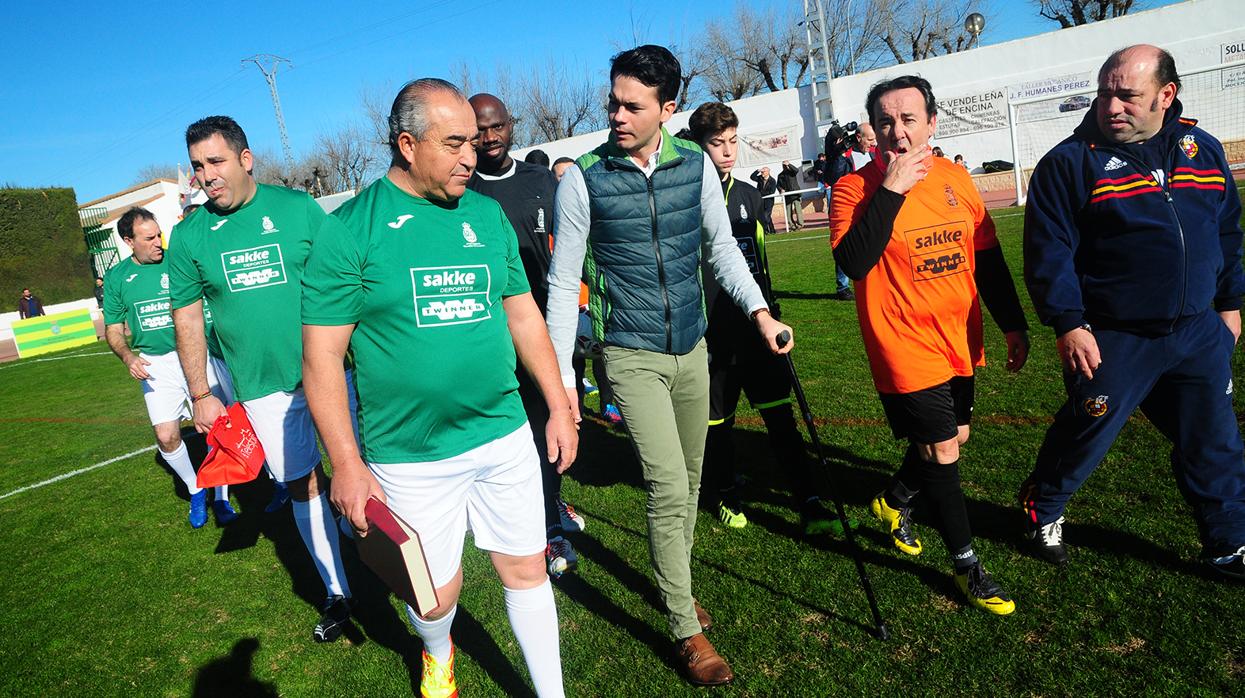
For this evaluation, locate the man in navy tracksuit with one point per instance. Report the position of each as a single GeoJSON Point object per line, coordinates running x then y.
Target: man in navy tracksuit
{"type": "Point", "coordinates": [1133, 257]}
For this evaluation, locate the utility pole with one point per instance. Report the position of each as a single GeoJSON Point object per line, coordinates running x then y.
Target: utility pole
{"type": "Point", "coordinates": [821, 71]}
{"type": "Point", "coordinates": [268, 64]}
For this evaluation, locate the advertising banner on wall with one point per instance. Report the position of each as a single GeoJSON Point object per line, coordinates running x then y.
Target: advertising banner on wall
{"type": "Point", "coordinates": [974, 113]}
{"type": "Point", "coordinates": [770, 145]}
{"type": "Point", "coordinates": [1231, 53]}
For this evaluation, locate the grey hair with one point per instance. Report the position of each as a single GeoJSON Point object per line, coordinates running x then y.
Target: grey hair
{"type": "Point", "coordinates": [409, 113]}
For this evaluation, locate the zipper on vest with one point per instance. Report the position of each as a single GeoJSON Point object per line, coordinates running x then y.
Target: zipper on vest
{"type": "Point", "coordinates": [661, 267]}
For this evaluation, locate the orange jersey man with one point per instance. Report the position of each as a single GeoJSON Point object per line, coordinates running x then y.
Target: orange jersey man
{"type": "Point", "coordinates": [913, 233]}
{"type": "Point", "coordinates": [918, 306]}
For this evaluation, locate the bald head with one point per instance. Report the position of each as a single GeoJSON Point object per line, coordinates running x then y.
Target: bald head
{"type": "Point", "coordinates": [1136, 87]}
{"type": "Point", "coordinates": [496, 131]}
{"type": "Point", "coordinates": [865, 138]}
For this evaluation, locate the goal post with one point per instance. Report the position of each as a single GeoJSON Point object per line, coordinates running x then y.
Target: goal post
{"type": "Point", "coordinates": [1214, 95]}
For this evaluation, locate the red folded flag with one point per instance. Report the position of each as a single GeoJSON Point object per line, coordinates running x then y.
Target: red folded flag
{"type": "Point", "coordinates": [236, 455]}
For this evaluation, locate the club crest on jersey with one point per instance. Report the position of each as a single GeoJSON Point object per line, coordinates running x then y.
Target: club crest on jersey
{"type": "Point", "coordinates": [951, 200]}
{"type": "Point", "coordinates": [1096, 406]}
{"type": "Point", "coordinates": [540, 220]}
{"type": "Point", "coordinates": [164, 281]}
{"type": "Point", "coordinates": [743, 212]}
{"type": "Point", "coordinates": [268, 226]}
{"type": "Point", "coordinates": [470, 236]}
{"type": "Point", "coordinates": [1189, 145]}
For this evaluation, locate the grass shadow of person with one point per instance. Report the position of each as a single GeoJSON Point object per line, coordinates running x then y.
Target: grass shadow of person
{"type": "Point", "coordinates": [233, 675]}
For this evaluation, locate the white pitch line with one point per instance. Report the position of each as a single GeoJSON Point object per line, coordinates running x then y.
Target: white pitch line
{"type": "Point", "coordinates": [79, 471]}
{"type": "Point", "coordinates": [772, 241]}
{"type": "Point", "coordinates": [55, 358]}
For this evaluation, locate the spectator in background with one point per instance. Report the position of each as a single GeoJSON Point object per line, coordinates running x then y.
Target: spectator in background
{"type": "Point", "coordinates": [537, 157]}
{"type": "Point", "coordinates": [866, 145]}
{"type": "Point", "coordinates": [789, 181]}
{"type": "Point", "coordinates": [959, 160]}
{"type": "Point", "coordinates": [99, 291]}
{"type": "Point", "coordinates": [767, 186]}
{"type": "Point", "coordinates": [560, 165]}
{"type": "Point", "coordinates": [938, 152]}
{"type": "Point", "coordinates": [29, 305]}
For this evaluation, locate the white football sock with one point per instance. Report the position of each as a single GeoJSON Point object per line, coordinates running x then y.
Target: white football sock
{"type": "Point", "coordinates": [222, 493]}
{"type": "Point", "coordinates": [319, 532]}
{"type": "Point", "coordinates": [434, 633]}
{"type": "Point", "coordinates": [534, 619]}
{"type": "Point", "coordinates": [179, 461]}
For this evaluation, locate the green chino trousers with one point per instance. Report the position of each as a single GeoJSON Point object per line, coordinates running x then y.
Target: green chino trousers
{"type": "Point", "coordinates": [664, 401]}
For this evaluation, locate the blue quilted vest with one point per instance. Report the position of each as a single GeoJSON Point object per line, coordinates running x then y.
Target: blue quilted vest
{"type": "Point", "coordinates": [643, 260]}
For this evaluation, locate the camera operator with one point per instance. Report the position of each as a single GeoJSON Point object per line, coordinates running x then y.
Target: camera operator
{"type": "Point", "coordinates": [839, 141]}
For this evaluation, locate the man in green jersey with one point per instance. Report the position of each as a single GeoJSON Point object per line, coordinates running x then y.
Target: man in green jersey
{"type": "Point", "coordinates": [243, 253]}
{"type": "Point", "coordinates": [426, 288]}
{"type": "Point", "coordinates": [137, 294]}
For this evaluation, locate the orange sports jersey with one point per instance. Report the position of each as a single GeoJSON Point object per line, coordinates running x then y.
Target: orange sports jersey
{"type": "Point", "coordinates": [919, 312]}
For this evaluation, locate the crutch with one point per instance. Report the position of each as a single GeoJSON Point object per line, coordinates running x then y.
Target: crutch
{"type": "Point", "coordinates": [880, 628]}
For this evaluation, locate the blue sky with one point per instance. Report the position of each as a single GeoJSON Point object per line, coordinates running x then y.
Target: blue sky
{"type": "Point", "coordinates": [93, 95]}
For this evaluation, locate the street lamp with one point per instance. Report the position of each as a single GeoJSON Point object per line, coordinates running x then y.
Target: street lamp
{"type": "Point", "coordinates": [974, 24]}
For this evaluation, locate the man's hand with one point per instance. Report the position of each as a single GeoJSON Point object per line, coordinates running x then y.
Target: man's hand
{"type": "Point", "coordinates": [572, 396]}
{"type": "Point", "coordinates": [1232, 318]}
{"type": "Point", "coordinates": [352, 485]}
{"type": "Point", "coordinates": [770, 329]}
{"type": "Point", "coordinates": [562, 438]}
{"type": "Point", "coordinates": [206, 411]}
{"type": "Point", "coordinates": [1017, 350]}
{"type": "Point", "coordinates": [1078, 350]}
{"type": "Point", "coordinates": [136, 363]}
{"type": "Point", "coordinates": [904, 171]}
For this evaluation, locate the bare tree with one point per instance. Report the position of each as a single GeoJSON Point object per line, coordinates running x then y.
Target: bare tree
{"type": "Point", "coordinates": [771, 44]}
{"type": "Point", "coordinates": [913, 30]}
{"type": "Point", "coordinates": [727, 77]}
{"type": "Point", "coordinates": [560, 100]}
{"type": "Point", "coordinates": [351, 158]}
{"type": "Point", "coordinates": [155, 171]}
{"type": "Point", "coordinates": [1074, 13]}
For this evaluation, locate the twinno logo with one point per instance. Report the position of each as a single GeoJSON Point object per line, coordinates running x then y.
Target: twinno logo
{"type": "Point", "coordinates": [253, 268]}
{"type": "Point", "coordinates": [451, 295]}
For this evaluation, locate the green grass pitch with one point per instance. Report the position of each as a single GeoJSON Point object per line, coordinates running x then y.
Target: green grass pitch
{"type": "Point", "coordinates": [105, 590]}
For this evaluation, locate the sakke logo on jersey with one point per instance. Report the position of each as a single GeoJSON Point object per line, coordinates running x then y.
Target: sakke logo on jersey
{"type": "Point", "coordinates": [1189, 145]}
{"type": "Point", "coordinates": [451, 295]}
{"type": "Point", "coordinates": [219, 224]}
{"type": "Point", "coordinates": [1096, 406]}
{"type": "Point", "coordinates": [1113, 164]}
{"type": "Point", "coordinates": [253, 268]}
{"type": "Point", "coordinates": [470, 236]}
{"type": "Point", "coordinates": [951, 200]}
{"type": "Point", "coordinates": [268, 226]}
{"type": "Point", "coordinates": [402, 219]}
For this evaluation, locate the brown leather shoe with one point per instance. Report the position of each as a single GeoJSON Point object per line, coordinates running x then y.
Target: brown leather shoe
{"type": "Point", "coordinates": [703, 617]}
{"type": "Point", "coordinates": [702, 665]}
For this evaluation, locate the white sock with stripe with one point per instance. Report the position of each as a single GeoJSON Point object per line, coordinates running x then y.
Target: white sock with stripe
{"type": "Point", "coordinates": [534, 619]}
{"type": "Point", "coordinates": [319, 532]}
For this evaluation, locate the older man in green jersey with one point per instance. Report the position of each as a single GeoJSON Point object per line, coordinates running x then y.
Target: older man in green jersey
{"type": "Point", "coordinates": [137, 294]}
{"type": "Point", "coordinates": [426, 288]}
{"type": "Point", "coordinates": [243, 252]}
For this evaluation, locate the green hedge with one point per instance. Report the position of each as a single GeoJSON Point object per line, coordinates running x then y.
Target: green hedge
{"type": "Point", "coordinates": [41, 247]}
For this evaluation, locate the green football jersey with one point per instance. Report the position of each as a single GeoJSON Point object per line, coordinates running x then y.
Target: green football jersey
{"type": "Point", "coordinates": [138, 295]}
{"type": "Point", "coordinates": [248, 264]}
{"type": "Point", "coordinates": [424, 283]}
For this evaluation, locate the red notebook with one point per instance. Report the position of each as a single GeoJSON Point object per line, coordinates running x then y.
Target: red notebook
{"type": "Point", "coordinates": [392, 550]}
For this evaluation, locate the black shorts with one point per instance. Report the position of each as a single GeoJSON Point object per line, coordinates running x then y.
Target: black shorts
{"type": "Point", "coordinates": [742, 362]}
{"type": "Point", "coordinates": [931, 415]}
